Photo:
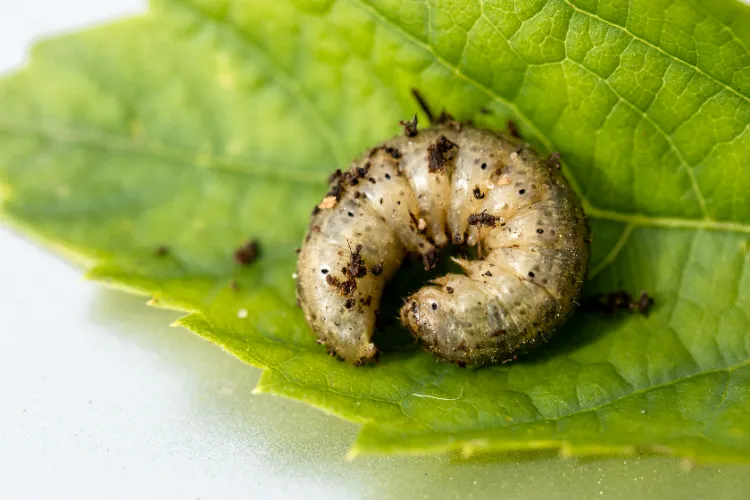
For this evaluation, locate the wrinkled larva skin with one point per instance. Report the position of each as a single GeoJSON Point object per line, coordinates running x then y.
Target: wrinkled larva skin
{"type": "Point", "coordinates": [412, 195]}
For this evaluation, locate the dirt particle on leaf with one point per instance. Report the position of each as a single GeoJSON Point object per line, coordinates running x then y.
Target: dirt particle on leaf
{"type": "Point", "coordinates": [247, 253]}
{"type": "Point", "coordinates": [612, 302]}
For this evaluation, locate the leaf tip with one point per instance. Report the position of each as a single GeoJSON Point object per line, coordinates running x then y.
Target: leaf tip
{"type": "Point", "coordinates": [178, 323]}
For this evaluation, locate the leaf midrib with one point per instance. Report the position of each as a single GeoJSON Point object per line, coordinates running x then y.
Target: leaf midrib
{"type": "Point", "coordinates": [110, 142]}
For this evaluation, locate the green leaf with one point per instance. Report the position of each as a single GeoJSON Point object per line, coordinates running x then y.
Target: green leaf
{"type": "Point", "coordinates": [211, 122]}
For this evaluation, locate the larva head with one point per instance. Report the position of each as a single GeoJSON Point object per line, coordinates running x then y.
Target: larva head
{"type": "Point", "coordinates": [431, 317]}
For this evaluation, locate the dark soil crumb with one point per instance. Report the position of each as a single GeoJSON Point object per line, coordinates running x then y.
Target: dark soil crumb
{"type": "Point", "coordinates": [410, 127]}
{"type": "Point", "coordinates": [482, 219]}
{"type": "Point", "coordinates": [430, 259]}
{"type": "Point", "coordinates": [440, 153]}
{"type": "Point", "coordinates": [553, 161]}
{"type": "Point", "coordinates": [247, 253]}
{"type": "Point", "coordinates": [513, 129]}
{"type": "Point", "coordinates": [352, 272]}
{"type": "Point", "coordinates": [610, 303]}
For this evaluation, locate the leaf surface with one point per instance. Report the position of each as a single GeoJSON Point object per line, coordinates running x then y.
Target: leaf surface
{"type": "Point", "coordinates": [212, 122]}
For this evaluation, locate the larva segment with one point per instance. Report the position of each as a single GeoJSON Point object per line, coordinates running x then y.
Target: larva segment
{"type": "Point", "coordinates": [342, 271]}
{"type": "Point", "coordinates": [480, 168]}
{"type": "Point", "coordinates": [414, 193]}
{"type": "Point", "coordinates": [428, 171]}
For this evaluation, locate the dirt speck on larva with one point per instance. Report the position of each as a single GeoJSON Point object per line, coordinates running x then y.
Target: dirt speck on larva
{"type": "Point", "coordinates": [410, 127]}
{"type": "Point", "coordinates": [440, 153]}
{"type": "Point", "coordinates": [482, 219]}
{"type": "Point", "coordinates": [328, 202]}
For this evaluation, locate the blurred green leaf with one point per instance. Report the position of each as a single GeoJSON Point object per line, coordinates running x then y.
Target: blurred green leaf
{"type": "Point", "coordinates": [212, 122]}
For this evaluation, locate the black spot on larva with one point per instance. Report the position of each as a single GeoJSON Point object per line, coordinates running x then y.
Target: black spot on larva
{"type": "Point", "coordinates": [440, 153]}
{"type": "Point", "coordinates": [484, 166]}
{"type": "Point", "coordinates": [478, 194]}
{"type": "Point", "coordinates": [449, 289]}
{"type": "Point", "coordinates": [388, 176]}
{"type": "Point", "coordinates": [540, 231]}
{"type": "Point", "coordinates": [377, 269]}
{"type": "Point", "coordinates": [372, 181]}
{"type": "Point", "coordinates": [434, 306]}
{"type": "Point", "coordinates": [349, 303]}
{"type": "Point", "coordinates": [531, 274]}
{"type": "Point", "coordinates": [521, 191]}
{"type": "Point", "coordinates": [353, 181]}
{"type": "Point", "coordinates": [487, 274]}
{"type": "Point", "coordinates": [247, 253]}
{"type": "Point", "coordinates": [410, 127]}
{"type": "Point", "coordinates": [482, 219]}
{"type": "Point", "coordinates": [350, 214]}
{"type": "Point", "coordinates": [316, 210]}
{"type": "Point", "coordinates": [324, 271]}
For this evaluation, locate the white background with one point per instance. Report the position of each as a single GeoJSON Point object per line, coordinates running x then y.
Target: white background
{"type": "Point", "coordinates": [100, 399]}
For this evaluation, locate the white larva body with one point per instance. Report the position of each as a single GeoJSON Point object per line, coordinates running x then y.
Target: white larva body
{"type": "Point", "coordinates": [451, 182]}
